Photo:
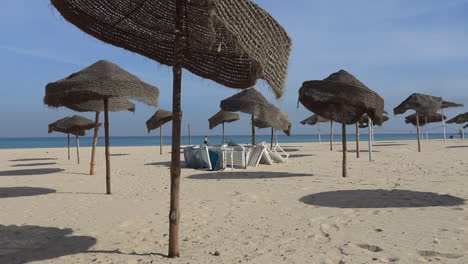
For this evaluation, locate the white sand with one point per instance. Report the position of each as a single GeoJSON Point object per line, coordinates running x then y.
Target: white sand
{"type": "Point", "coordinates": [269, 214]}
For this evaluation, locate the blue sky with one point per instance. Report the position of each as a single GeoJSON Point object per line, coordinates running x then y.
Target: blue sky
{"type": "Point", "coordinates": [396, 47]}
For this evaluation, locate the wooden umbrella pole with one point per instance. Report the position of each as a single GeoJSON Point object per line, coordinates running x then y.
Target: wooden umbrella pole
{"type": "Point", "coordinates": [68, 134]}
{"type": "Point", "coordinates": [271, 144]}
{"type": "Point", "coordinates": [343, 138]}
{"type": "Point", "coordinates": [78, 148]}
{"type": "Point", "coordinates": [369, 122]}
{"type": "Point", "coordinates": [331, 135]}
{"type": "Point", "coordinates": [443, 125]}
{"type": "Point", "coordinates": [189, 135]}
{"type": "Point", "coordinates": [418, 132]}
{"type": "Point", "coordinates": [174, 211]}
{"type": "Point", "coordinates": [160, 140]}
{"type": "Point", "coordinates": [319, 136]}
{"type": "Point", "coordinates": [106, 134]}
{"type": "Point", "coordinates": [253, 130]}
{"type": "Point", "coordinates": [93, 150]}
{"type": "Point", "coordinates": [224, 141]}
{"type": "Point", "coordinates": [357, 140]}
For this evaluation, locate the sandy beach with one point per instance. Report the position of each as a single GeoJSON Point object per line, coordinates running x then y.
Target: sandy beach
{"type": "Point", "coordinates": [406, 207]}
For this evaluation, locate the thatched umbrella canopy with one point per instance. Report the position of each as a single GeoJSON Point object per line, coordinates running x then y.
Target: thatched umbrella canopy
{"type": "Point", "coordinates": [157, 121]}
{"type": "Point", "coordinates": [233, 43]}
{"type": "Point", "coordinates": [364, 122]}
{"type": "Point", "coordinates": [76, 125]}
{"type": "Point", "coordinates": [424, 105]}
{"type": "Point", "coordinates": [222, 117]}
{"type": "Point", "coordinates": [252, 102]}
{"type": "Point", "coordinates": [316, 120]}
{"type": "Point", "coordinates": [284, 118]}
{"type": "Point", "coordinates": [428, 118]}
{"type": "Point", "coordinates": [97, 106]}
{"type": "Point", "coordinates": [343, 98]}
{"type": "Point", "coordinates": [102, 81]}
{"type": "Point", "coordinates": [459, 119]}
{"type": "Point", "coordinates": [465, 126]}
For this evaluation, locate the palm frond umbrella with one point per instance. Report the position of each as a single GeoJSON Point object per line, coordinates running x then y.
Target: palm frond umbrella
{"type": "Point", "coordinates": [76, 125]}
{"type": "Point", "coordinates": [364, 122]}
{"type": "Point", "coordinates": [157, 121]}
{"type": "Point", "coordinates": [102, 81]}
{"type": "Point", "coordinates": [428, 118]}
{"type": "Point", "coordinates": [222, 117]}
{"type": "Point", "coordinates": [97, 106]}
{"type": "Point", "coordinates": [232, 42]}
{"type": "Point", "coordinates": [342, 98]}
{"type": "Point", "coordinates": [252, 102]}
{"type": "Point", "coordinates": [460, 119]}
{"type": "Point", "coordinates": [446, 104]}
{"type": "Point", "coordinates": [267, 123]}
{"type": "Point", "coordinates": [423, 105]}
{"type": "Point", "coordinates": [316, 120]}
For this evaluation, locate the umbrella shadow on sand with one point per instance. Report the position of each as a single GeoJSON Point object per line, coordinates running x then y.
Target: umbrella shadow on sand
{"type": "Point", "coordinates": [9, 192]}
{"type": "Point", "coordinates": [33, 164]}
{"type": "Point", "coordinates": [161, 163]}
{"type": "Point", "coordinates": [234, 175]}
{"type": "Point", "coordinates": [380, 199]}
{"type": "Point", "coordinates": [457, 147]}
{"type": "Point", "coordinates": [33, 159]}
{"type": "Point", "coordinates": [30, 172]}
{"type": "Point", "coordinates": [23, 244]}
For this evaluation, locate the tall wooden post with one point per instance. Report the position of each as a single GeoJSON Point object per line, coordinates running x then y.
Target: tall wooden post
{"type": "Point", "coordinates": [357, 139]}
{"type": "Point", "coordinates": [443, 125]}
{"type": "Point", "coordinates": [418, 131]}
{"type": "Point", "coordinates": [331, 135]}
{"type": "Point", "coordinates": [106, 134]}
{"type": "Point", "coordinates": [271, 144]}
{"type": "Point", "coordinates": [160, 140]}
{"type": "Point", "coordinates": [253, 130]}
{"type": "Point", "coordinates": [78, 148]}
{"type": "Point", "coordinates": [174, 211]}
{"type": "Point", "coordinates": [343, 138]}
{"type": "Point", "coordinates": [68, 134]}
{"type": "Point", "coordinates": [319, 136]}
{"type": "Point", "coordinates": [189, 134]}
{"type": "Point", "coordinates": [95, 141]}
{"type": "Point", "coordinates": [369, 122]}
{"type": "Point", "coordinates": [224, 141]}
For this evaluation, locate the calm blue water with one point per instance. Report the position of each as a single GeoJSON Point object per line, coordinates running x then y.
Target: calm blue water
{"type": "Point", "coordinates": [58, 142]}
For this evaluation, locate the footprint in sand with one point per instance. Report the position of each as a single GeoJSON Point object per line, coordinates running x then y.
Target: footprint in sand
{"type": "Point", "coordinates": [370, 247]}
{"type": "Point", "coordinates": [326, 229]}
{"type": "Point", "coordinates": [433, 254]}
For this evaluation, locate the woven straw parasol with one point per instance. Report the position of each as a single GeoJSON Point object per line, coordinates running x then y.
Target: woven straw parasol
{"type": "Point", "coordinates": [459, 119]}
{"type": "Point", "coordinates": [232, 42]}
{"type": "Point", "coordinates": [222, 117]}
{"type": "Point", "coordinates": [76, 125]}
{"type": "Point", "coordinates": [342, 98]}
{"type": "Point", "coordinates": [97, 106]}
{"type": "Point", "coordinates": [102, 81]}
{"type": "Point", "coordinates": [316, 120]}
{"type": "Point", "coordinates": [428, 118]}
{"type": "Point", "coordinates": [157, 121]}
{"type": "Point", "coordinates": [252, 102]}
{"type": "Point", "coordinates": [267, 123]}
{"type": "Point", "coordinates": [424, 105]}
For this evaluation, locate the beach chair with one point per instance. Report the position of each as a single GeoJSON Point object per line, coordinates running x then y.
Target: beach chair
{"type": "Point", "coordinates": [236, 157]}
{"type": "Point", "coordinates": [197, 157]}
{"type": "Point", "coordinates": [265, 158]}
{"type": "Point", "coordinates": [256, 153]}
{"type": "Point", "coordinates": [278, 154]}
